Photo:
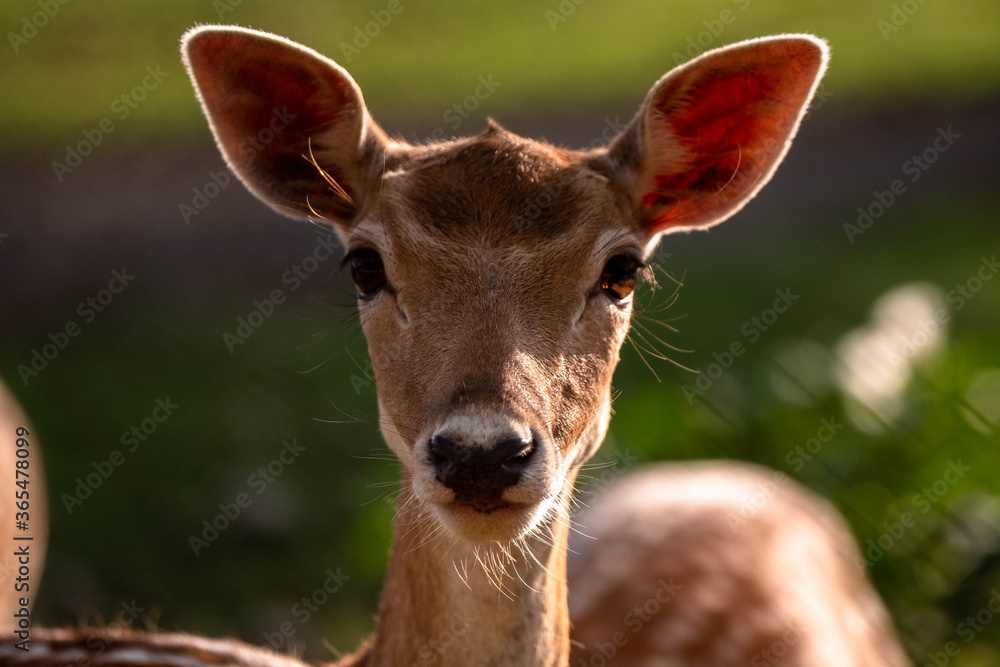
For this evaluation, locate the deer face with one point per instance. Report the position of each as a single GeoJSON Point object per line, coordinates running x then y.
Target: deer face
{"type": "Point", "coordinates": [494, 336]}
{"type": "Point", "coordinates": [495, 273]}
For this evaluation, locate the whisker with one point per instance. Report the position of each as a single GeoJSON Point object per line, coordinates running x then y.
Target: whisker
{"type": "Point", "coordinates": [659, 340]}
{"type": "Point", "coordinates": [643, 358]}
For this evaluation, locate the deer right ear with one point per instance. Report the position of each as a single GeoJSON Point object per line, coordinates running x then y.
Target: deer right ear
{"type": "Point", "coordinates": [711, 132]}
{"type": "Point", "coordinates": [291, 123]}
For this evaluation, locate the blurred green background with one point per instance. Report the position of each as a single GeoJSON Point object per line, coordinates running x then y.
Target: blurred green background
{"type": "Point", "coordinates": [856, 347]}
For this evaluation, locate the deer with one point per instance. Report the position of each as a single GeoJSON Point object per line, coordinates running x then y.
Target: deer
{"type": "Point", "coordinates": [493, 339]}
{"type": "Point", "coordinates": [24, 518]}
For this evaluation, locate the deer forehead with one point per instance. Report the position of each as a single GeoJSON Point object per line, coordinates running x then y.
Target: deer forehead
{"type": "Point", "coordinates": [494, 207]}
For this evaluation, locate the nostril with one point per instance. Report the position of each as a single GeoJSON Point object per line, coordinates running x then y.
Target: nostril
{"type": "Point", "coordinates": [515, 455]}
{"type": "Point", "coordinates": [443, 454]}
{"type": "Point", "coordinates": [509, 449]}
{"type": "Point", "coordinates": [442, 449]}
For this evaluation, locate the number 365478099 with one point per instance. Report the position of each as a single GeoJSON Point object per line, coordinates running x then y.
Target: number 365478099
{"type": "Point", "coordinates": [21, 472]}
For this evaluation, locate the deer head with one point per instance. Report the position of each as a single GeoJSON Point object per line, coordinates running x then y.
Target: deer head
{"type": "Point", "coordinates": [494, 335]}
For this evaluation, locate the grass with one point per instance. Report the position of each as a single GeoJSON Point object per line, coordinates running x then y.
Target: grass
{"type": "Point", "coordinates": [429, 56]}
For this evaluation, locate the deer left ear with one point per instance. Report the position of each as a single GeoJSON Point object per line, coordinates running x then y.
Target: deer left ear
{"type": "Point", "coordinates": [290, 122]}
{"type": "Point", "coordinates": [712, 132]}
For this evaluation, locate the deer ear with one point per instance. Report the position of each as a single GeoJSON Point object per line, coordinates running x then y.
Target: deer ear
{"type": "Point", "coordinates": [291, 123]}
{"type": "Point", "coordinates": [711, 132]}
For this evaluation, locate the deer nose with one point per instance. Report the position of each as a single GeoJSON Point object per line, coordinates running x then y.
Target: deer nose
{"type": "Point", "coordinates": [479, 474]}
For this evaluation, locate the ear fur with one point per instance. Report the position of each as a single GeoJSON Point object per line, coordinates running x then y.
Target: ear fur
{"type": "Point", "coordinates": [711, 132]}
{"type": "Point", "coordinates": [291, 123]}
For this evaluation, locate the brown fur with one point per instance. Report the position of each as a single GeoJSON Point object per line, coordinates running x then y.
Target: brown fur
{"type": "Point", "coordinates": [492, 327]}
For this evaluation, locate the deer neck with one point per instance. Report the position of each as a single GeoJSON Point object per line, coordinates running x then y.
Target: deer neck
{"type": "Point", "coordinates": [446, 602]}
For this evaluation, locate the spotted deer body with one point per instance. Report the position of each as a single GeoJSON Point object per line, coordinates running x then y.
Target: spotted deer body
{"type": "Point", "coordinates": [493, 337]}
{"type": "Point", "coordinates": [672, 569]}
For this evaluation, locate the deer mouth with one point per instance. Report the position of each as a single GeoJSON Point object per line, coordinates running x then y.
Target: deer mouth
{"type": "Point", "coordinates": [485, 508]}
{"type": "Point", "coordinates": [494, 521]}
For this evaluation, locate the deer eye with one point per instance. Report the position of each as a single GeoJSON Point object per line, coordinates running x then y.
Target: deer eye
{"type": "Point", "coordinates": [367, 271]}
{"type": "Point", "coordinates": [619, 276]}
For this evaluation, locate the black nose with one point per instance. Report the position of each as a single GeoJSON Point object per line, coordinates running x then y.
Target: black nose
{"type": "Point", "coordinates": [478, 474]}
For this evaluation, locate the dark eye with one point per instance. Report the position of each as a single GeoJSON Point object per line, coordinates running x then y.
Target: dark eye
{"type": "Point", "coordinates": [367, 271]}
{"type": "Point", "coordinates": [619, 275]}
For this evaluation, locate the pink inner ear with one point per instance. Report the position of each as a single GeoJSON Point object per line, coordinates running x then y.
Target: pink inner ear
{"type": "Point", "coordinates": [270, 102]}
{"type": "Point", "coordinates": [278, 104]}
{"type": "Point", "coordinates": [732, 134]}
{"type": "Point", "coordinates": [299, 98]}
